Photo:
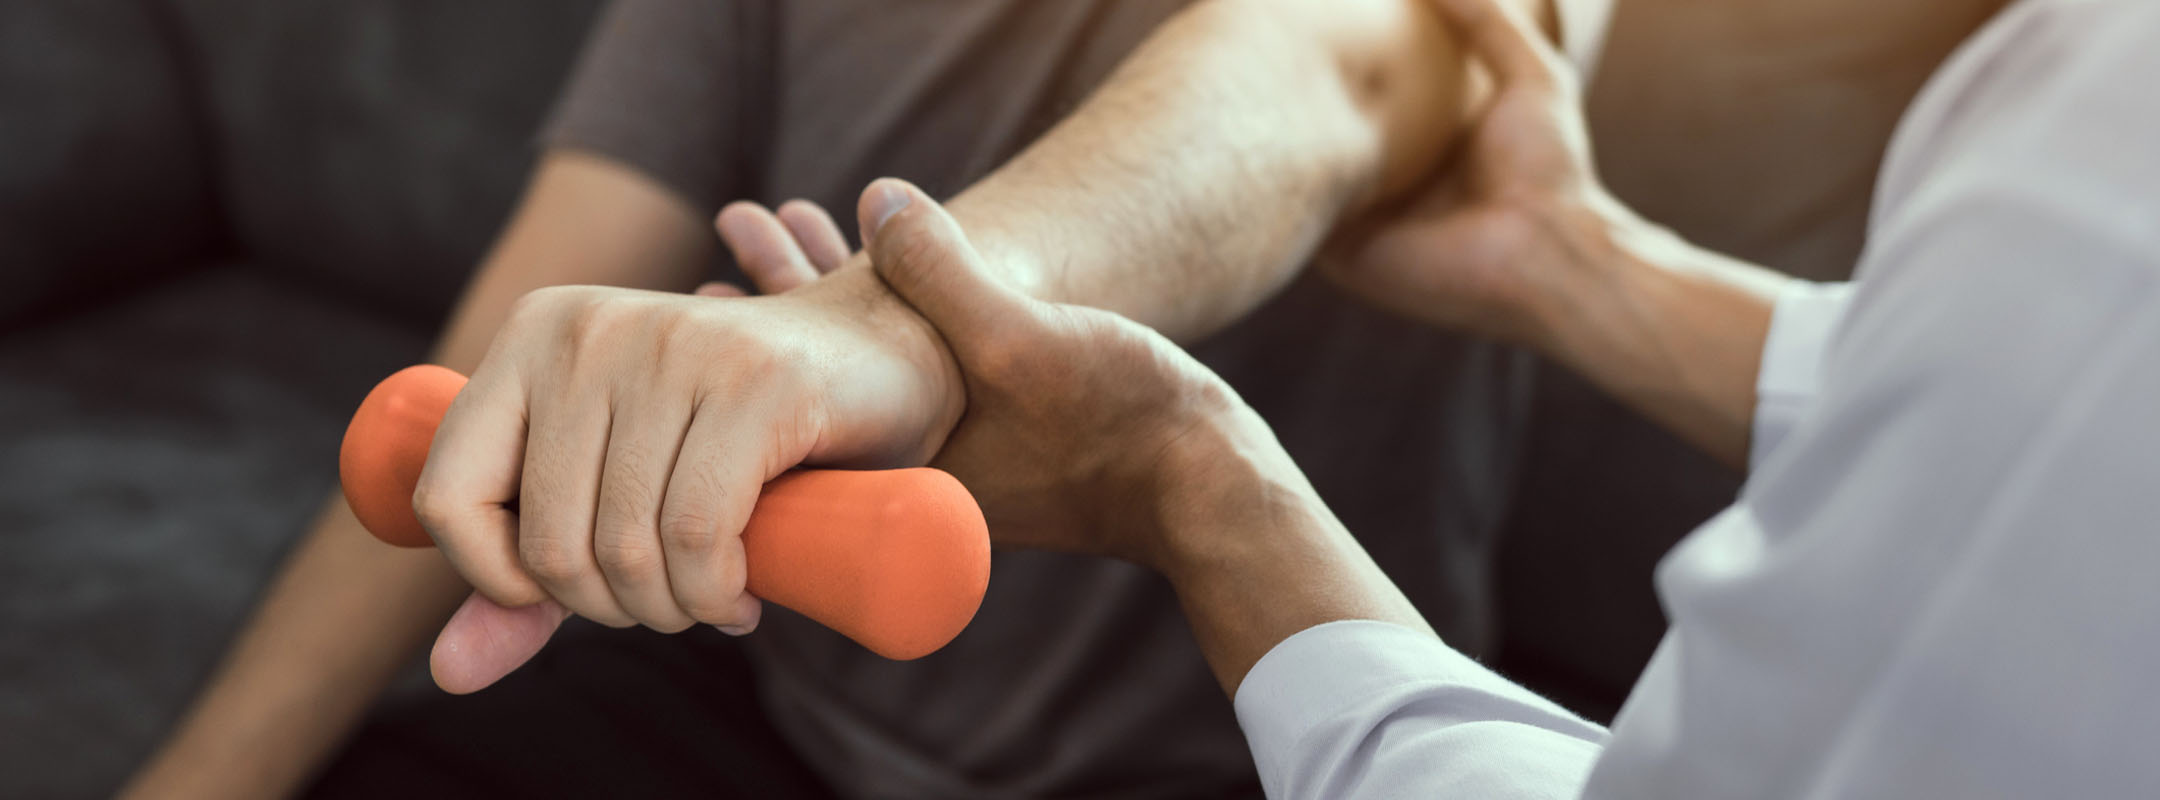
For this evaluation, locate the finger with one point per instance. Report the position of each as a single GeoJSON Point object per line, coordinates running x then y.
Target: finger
{"type": "Point", "coordinates": [763, 248]}
{"type": "Point", "coordinates": [715, 482]}
{"type": "Point", "coordinates": [483, 641]}
{"type": "Point", "coordinates": [920, 251]}
{"type": "Point", "coordinates": [472, 475]}
{"type": "Point", "coordinates": [1508, 43]}
{"type": "Point", "coordinates": [820, 237]}
{"type": "Point", "coordinates": [719, 289]}
{"type": "Point", "coordinates": [565, 452]}
{"type": "Point", "coordinates": [626, 529]}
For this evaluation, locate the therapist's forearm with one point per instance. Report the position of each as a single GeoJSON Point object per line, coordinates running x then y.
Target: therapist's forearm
{"type": "Point", "coordinates": [1668, 328]}
{"type": "Point", "coordinates": [1255, 556]}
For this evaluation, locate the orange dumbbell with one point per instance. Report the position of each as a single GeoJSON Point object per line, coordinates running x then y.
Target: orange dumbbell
{"type": "Point", "coordinates": [896, 560]}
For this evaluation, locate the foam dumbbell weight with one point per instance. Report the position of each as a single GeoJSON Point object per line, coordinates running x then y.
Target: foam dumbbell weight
{"type": "Point", "coordinates": [896, 560]}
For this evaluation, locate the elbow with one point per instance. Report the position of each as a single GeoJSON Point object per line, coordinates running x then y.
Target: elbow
{"type": "Point", "coordinates": [1392, 69]}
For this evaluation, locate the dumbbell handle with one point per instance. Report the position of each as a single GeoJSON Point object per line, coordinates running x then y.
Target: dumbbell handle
{"type": "Point", "coordinates": [897, 560]}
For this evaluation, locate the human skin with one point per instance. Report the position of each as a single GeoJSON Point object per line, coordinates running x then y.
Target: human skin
{"type": "Point", "coordinates": [620, 416]}
{"type": "Point", "coordinates": [1522, 243]}
{"type": "Point", "coordinates": [1087, 433]}
{"type": "Point", "coordinates": [1359, 98]}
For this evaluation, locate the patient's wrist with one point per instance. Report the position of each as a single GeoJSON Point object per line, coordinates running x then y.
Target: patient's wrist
{"type": "Point", "coordinates": [856, 294]}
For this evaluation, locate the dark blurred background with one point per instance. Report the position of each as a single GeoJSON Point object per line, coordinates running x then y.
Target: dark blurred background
{"type": "Point", "coordinates": [222, 220]}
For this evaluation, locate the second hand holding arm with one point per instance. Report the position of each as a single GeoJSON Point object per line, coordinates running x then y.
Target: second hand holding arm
{"type": "Point", "coordinates": [1519, 241]}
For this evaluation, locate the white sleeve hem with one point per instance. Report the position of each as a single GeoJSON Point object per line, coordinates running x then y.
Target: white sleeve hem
{"type": "Point", "coordinates": [1791, 371]}
{"type": "Point", "coordinates": [1302, 693]}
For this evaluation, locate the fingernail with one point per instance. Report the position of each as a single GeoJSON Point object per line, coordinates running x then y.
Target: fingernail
{"type": "Point", "coordinates": [732, 630]}
{"type": "Point", "coordinates": [887, 198]}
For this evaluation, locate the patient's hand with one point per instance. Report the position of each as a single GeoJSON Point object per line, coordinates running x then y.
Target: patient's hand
{"type": "Point", "coordinates": [1081, 425]}
{"type": "Point", "coordinates": [635, 430]}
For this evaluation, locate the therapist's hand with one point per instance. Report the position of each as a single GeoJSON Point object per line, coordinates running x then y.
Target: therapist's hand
{"type": "Point", "coordinates": [636, 429]}
{"type": "Point", "coordinates": [1516, 212]}
{"type": "Point", "coordinates": [1085, 431]}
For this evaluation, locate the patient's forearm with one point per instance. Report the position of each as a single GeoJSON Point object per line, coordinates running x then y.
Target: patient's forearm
{"type": "Point", "coordinates": [1211, 164]}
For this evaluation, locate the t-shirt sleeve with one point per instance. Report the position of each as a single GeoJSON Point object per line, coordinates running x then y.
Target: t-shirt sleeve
{"type": "Point", "coordinates": [677, 89]}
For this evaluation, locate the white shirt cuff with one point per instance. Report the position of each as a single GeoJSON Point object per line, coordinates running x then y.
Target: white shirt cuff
{"type": "Point", "coordinates": [1583, 24]}
{"type": "Point", "coordinates": [1344, 677]}
{"type": "Point", "coordinates": [1791, 372]}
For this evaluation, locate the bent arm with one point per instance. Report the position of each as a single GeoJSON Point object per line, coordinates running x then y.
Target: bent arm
{"type": "Point", "coordinates": [1341, 688]}
{"type": "Point", "coordinates": [1209, 166]}
{"type": "Point", "coordinates": [1721, 352]}
{"type": "Point", "coordinates": [346, 612]}
{"type": "Point", "coordinates": [1670, 329]}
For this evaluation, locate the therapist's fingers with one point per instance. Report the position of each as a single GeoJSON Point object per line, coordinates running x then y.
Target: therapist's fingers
{"type": "Point", "coordinates": [472, 475]}
{"type": "Point", "coordinates": [1507, 42]}
{"type": "Point", "coordinates": [764, 248]}
{"type": "Point", "coordinates": [820, 237]}
{"type": "Point", "coordinates": [565, 451]}
{"type": "Point", "coordinates": [919, 250]}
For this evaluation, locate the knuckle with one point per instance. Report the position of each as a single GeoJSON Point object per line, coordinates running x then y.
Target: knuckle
{"type": "Point", "coordinates": [550, 561]}
{"type": "Point", "coordinates": [627, 554]}
{"type": "Point", "coordinates": [511, 593]}
{"type": "Point", "coordinates": [691, 531]}
{"type": "Point", "coordinates": [709, 612]}
{"type": "Point", "coordinates": [541, 303]}
{"type": "Point", "coordinates": [669, 335]}
{"type": "Point", "coordinates": [535, 302]}
{"type": "Point", "coordinates": [594, 325]}
{"type": "Point", "coordinates": [583, 325]}
{"type": "Point", "coordinates": [431, 507]}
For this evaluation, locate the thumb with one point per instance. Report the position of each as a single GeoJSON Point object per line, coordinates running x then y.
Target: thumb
{"type": "Point", "coordinates": [920, 251]}
{"type": "Point", "coordinates": [484, 642]}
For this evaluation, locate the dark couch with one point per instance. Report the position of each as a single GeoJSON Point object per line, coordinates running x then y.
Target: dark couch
{"type": "Point", "coordinates": [221, 220]}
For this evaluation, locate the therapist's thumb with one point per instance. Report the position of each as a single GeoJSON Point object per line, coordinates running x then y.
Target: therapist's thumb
{"type": "Point", "coordinates": [921, 253]}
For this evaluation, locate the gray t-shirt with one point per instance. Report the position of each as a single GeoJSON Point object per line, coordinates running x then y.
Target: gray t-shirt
{"type": "Point", "coordinates": [1079, 677]}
